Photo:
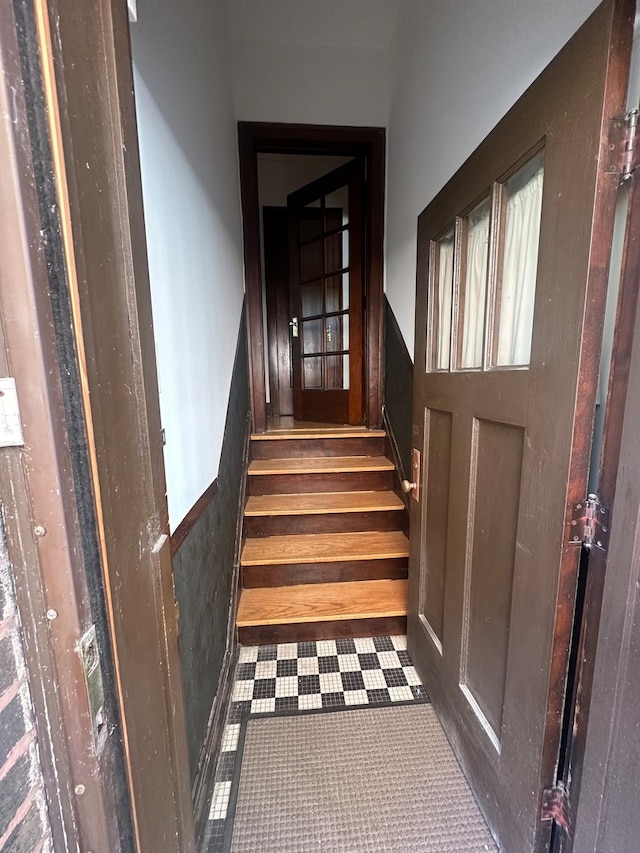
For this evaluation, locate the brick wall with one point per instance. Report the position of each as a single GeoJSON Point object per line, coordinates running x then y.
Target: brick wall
{"type": "Point", "coordinates": [24, 826]}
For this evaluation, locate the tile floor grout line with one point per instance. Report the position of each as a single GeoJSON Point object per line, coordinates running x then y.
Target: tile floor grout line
{"type": "Point", "coordinates": [319, 674]}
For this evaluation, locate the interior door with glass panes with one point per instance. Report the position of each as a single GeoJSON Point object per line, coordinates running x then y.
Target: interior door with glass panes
{"type": "Point", "coordinates": [326, 243]}
{"type": "Point", "coordinates": [511, 285]}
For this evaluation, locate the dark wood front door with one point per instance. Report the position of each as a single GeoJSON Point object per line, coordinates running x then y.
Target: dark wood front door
{"type": "Point", "coordinates": [326, 245]}
{"type": "Point", "coordinates": [511, 286]}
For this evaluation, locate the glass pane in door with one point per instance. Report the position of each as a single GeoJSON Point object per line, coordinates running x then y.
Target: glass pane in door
{"type": "Point", "coordinates": [311, 298]}
{"type": "Point", "coordinates": [337, 373]}
{"type": "Point", "coordinates": [312, 373]}
{"type": "Point", "coordinates": [441, 300]}
{"type": "Point", "coordinates": [311, 260]}
{"type": "Point", "coordinates": [517, 285]}
{"type": "Point", "coordinates": [312, 333]}
{"type": "Point", "coordinates": [337, 292]}
{"type": "Point", "coordinates": [474, 285]}
{"type": "Point", "coordinates": [337, 208]}
{"type": "Point", "coordinates": [337, 333]}
{"type": "Point", "coordinates": [311, 221]}
{"type": "Point", "coordinates": [336, 251]}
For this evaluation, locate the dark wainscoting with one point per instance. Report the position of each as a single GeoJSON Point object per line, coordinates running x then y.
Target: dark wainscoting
{"type": "Point", "coordinates": [205, 567]}
{"type": "Point", "coordinates": [398, 387]}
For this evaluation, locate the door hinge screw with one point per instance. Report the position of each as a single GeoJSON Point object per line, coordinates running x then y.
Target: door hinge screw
{"type": "Point", "coordinates": [589, 524]}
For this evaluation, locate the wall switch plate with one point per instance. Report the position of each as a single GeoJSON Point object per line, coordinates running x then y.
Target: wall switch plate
{"type": "Point", "coordinates": [10, 425]}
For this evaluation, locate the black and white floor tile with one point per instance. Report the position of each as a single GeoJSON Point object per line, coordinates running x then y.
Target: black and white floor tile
{"type": "Point", "coordinates": [302, 676]}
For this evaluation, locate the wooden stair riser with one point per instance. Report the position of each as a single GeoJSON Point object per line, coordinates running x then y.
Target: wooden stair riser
{"type": "Point", "coordinates": [256, 635]}
{"type": "Point", "coordinates": [339, 522]}
{"type": "Point", "coordinates": [341, 481]}
{"type": "Point", "coordinates": [293, 574]}
{"type": "Point", "coordinates": [297, 448]}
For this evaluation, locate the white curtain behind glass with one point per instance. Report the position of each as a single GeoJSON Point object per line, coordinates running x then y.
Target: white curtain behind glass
{"type": "Point", "coordinates": [475, 285]}
{"type": "Point", "coordinates": [445, 288]}
{"type": "Point", "coordinates": [522, 231]}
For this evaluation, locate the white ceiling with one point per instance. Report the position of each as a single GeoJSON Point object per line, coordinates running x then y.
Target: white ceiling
{"type": "Point", "coordinates": [341, 23]}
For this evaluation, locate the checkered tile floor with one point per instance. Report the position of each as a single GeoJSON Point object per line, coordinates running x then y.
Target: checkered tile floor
{"type": "Point", "coordinates": [301, 676]}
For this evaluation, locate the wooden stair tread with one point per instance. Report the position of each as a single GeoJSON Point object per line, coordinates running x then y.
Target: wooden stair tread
{"type": "Point", "coordinates": [322, 502]}
{"type": "Point", "coordinates": [324, 548]}
{"type": "Point", "coordinates": [319, 465]}
{"type": "Point", "coordinates": [322, 602]}
{"type": "Point", "coordinates": [318, 432]}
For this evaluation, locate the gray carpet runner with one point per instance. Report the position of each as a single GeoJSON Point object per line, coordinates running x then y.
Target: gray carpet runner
{"type": "Point", "coordinates": [370, 779]}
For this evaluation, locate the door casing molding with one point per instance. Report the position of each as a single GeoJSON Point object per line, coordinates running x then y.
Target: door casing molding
{"type": "Point", "coordinates": [369, 142]}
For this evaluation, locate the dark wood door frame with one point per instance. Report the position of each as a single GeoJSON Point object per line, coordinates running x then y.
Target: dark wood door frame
{"type": "Point", "coordinates": [606, 571]}
{"type": "Point", "coordinates": [368, 142]}
{"type": "Point", "coordinates": [45, 492]}
{"type": "Point", "coordinates": [603, 759]}
{"type": "Point", "coordinates": [276, 272]}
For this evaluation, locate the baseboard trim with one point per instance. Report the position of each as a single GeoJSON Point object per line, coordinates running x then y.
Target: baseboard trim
{"type": "Point", "coordinates": [202, 790]}
{"type": "Point", "coordinates": [186, 525]}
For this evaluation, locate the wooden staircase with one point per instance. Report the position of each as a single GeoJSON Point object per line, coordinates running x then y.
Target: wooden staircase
{"type": "Point", "coordinates": [326, 550]}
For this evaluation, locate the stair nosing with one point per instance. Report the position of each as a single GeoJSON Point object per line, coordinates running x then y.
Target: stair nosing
{"type": "Point", "coordinates": [337, 555]}
{"type": "Point", "coordinates": [327, 510]}
{"type": "Point", "coordinates": [312, 467]}
{"type": "Point", "coordinates": [310, 434]}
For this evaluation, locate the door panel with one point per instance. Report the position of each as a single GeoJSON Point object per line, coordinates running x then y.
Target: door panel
{"type": "Point", "coordinates": [496, 462]}
{"type": "Point", "coordinates": [326, 242]}
{"type": "Point", "coordinates": [511, 253]}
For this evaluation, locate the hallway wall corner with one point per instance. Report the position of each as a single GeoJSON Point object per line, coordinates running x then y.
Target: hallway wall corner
{"type": "Point", "coordinates": [398, 387]}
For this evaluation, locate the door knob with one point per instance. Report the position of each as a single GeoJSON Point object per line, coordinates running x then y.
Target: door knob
{"type": "Point", "coordinates": [293, 322]}
{"type": "Point", "coordinates": [408, 487]}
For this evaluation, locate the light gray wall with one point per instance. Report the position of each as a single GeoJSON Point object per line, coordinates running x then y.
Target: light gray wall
{"type": "Point", "coordinates": [310, 84]}
{"type": "Point", "coordinates": [456, 68]}
{"type": "Point", "coordinates": [188, 152]}
{"type": "Point", "coordinates": [281, 174]}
